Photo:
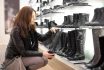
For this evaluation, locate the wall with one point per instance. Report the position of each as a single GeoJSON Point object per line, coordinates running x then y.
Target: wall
{"type": "Point", "coordinates": [3, 37]}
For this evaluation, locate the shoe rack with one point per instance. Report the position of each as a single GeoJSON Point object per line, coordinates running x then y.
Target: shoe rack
{"type": "Point", "coordinates": [49, 8]}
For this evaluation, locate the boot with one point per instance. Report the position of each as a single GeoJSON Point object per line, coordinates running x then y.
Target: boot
{"type": "Point", "coordinates": [95, 15]}
{"type": "Point", "coordinates": [53, 47]}
{"type": "Point", "coordinates": [98, 58]}
{"type": "Point", "coordinates": [75, 19]}
{"type": "Point", "coordinates": [68, 43]}
{"type": "Point", "coordinates": [69, 19]}
{"type": "Point", "coordinates": [85, 18]}
{"type": "Point", "coordinates": [65, 20]}
{"type": "Point", "coordinates": [53, 24]}
{"type": "Point", "coordinates": [63, 45]}
{"type": "Point", "coordinates": [101, 16]}
{"type": "Point", "coordinates": [79, 45]}
{"type": "Point", "coordinates": [72, 51]}
{"type": "Point", "coordinates": [47, 23]}
{"type": "Point", "coordinates": [79, 19]}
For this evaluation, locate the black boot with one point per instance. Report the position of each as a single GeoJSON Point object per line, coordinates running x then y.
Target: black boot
{"type": "Point", "coordinates": [65, 20]}
{"type": "Point", "coordinates": [72, 46]}
{"type": "Point", "coordinates": [69, 19]}
{"type": "Point", "coordinates": [69, 47]}
{"type": "Point", "coordinates": [98, 16]}
{"type": "Point", "coordinates": [95, 17]}
{"type": "Point", "coordinates": [54, 45]}
{"type": "Point", "coordinates": [75, 19]}
{"type": "Point", "coordinates": [63, 45]}
{"type": "Point", "coordinates": [101, 16]}
{"type": "Point", "coordinates": [79, 45]}
{"type": "Point", "coordinates": [79, 53]}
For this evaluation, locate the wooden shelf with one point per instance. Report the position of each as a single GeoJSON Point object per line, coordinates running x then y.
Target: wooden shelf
{"type": "Point", "coordinates": [63, 60]}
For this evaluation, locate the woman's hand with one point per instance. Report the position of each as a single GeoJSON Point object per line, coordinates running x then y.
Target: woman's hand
{"type": "Point", "coordinates": [48, 55]}
{"type": "Point", "coordinates": [54, 29]}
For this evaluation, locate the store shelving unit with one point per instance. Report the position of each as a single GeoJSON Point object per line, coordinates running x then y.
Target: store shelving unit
{"type": "Point", "coordinates": [60, 9]}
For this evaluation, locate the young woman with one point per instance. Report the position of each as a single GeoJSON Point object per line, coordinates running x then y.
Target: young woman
{"type": "Point", "coordinates": [24, 40]}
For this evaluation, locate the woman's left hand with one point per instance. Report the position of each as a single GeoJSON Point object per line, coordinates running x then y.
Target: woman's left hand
{"type": "Point", "coordinates": [54, 29]}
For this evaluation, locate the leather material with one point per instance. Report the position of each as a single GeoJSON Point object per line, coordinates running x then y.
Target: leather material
{"type": "Point", "coordinates": [96, 16]}
{"type": "Point", "coordinates": [54, 45]}
{"type": "Point", "coordinates": [98, 58]}
{"type": "Point", "coordinates": [67, 20]}
{"type": "Point", "coordinates": [19, 46]}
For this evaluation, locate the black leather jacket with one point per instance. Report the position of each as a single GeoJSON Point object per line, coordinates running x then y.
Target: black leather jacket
{"type": "Point", "coordinates": [25, 47]}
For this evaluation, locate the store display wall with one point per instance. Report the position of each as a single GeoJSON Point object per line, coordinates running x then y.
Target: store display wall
{"type": "Point", "coordinates": [4, 38]}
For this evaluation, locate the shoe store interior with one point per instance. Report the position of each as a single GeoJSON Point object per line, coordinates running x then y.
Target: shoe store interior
{"type": "Point", "coordinates": [79, 40]}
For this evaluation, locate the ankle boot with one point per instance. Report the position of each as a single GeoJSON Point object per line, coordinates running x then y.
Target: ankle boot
{"type": "Point", "coordinates": [69, 19]}
{"type": "Point", "coordinates": [95, 15]}
{"type": "Point", "coordinates": [101, 16]}
{"type": "Point", "coordinates": [75, 19]}
{"type": "Point", "coordinates": [65, 19]}
{"type": "Point", "coordinates": [85, 18]}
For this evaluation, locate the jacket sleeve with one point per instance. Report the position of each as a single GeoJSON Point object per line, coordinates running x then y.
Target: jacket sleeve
{"type": "Point", "coordinates": [45, 36]}
{"type": "Point", "coordinates": [18, 42]}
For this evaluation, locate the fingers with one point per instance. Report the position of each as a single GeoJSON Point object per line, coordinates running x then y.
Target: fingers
{"type": "Point", "coordinates": [54, 29]}
{"type": "Point", "coordinates": [48, 55]}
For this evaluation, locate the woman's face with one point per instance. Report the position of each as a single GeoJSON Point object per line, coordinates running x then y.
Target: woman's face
{"type": "Point", "coordinates": [32, 23]}
{"type": "Point", "coordinates": [33, 18]}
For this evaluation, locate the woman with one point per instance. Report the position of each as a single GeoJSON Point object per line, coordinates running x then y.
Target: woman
{"type": "Point", "coordinates": [24, 40]}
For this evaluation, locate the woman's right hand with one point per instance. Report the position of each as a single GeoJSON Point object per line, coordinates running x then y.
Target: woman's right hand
{"type": "Point", "coordinates": [48, 55]}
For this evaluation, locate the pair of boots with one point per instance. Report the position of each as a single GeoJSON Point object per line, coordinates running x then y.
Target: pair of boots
{"type": "Point", "coordinates": [80, 19]}
{"type": "Point", "coordinates": [67, 20]}
{"type": "Point", "coordinates": [63, 47]}
{"type": "Point", "coordinates": [75, 45]}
